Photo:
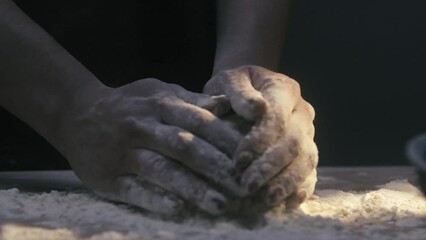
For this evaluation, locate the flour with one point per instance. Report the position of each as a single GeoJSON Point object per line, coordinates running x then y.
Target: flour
{"type": "Point", "coordinates": [396, 210]}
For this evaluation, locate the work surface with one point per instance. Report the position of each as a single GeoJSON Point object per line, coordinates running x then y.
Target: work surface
{"type": "Point", "coordinates": [348, 204]}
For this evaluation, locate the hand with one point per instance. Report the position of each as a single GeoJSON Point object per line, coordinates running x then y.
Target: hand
{"type": "Point", "coordinates": [278, 153]}
{"type": "Point", "coordinates": [147, 143]}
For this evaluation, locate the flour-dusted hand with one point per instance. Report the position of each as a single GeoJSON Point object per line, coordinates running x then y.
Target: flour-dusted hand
{"type": "Point", "coordinates": [147, 143]}
{"type": "Point", "coordinates": [278, 153]}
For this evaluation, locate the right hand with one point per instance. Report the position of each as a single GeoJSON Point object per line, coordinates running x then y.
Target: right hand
{"type": "Point", "coordinates": [278, 154]}
{"type": "Point", "coordinates": [147, 144]}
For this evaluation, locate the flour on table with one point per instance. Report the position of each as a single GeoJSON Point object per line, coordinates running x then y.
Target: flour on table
{"type": "Point", "coordinates": [396, 210]}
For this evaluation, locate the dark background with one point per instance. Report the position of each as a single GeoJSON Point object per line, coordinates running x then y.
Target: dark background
{"type": "Point", "coordinates": [360, 63]}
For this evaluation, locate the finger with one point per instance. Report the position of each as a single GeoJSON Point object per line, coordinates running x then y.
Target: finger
{"type": "Point", "coordinates": [285, 151]}
{"type": "Point", "coordinates": [282, 95]}
{"type": "Point", "coordinates": [286, 182]}
{"type": "Point", "coordinates": [303, 192]}
{"type": "Point", "coordinates": [172, 177]}
{"type": "Point", "coordinates": [181, 145]}
{"type": "Point", "coordinates": [200, 122]}
{"type": "Point", "coordinates": [142, 194]}
{"type": "Point", "coordinates": [218, 105]}
{"type": "Point", "coordinates": [305, 116]}
{"type": "Point", "coordinates": [236, 84]}
{"type": "Point", "coordinates": [279, 155]}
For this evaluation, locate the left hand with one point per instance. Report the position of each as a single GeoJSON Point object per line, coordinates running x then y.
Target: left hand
{"type": "Point", "coordinates": [278, 154]}
{"type": "Point", "coordinates": [153, 145]}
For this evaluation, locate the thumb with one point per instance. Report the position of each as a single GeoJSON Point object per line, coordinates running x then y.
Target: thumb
{"type": "Point", "coordinates": [236, 84]}
{"type": "Point", "coordinates": [218, 105]}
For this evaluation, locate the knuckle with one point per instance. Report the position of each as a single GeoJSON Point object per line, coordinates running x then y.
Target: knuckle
{"type": "Point", "coordinates": [294, 147]}
{"type": "Point", "coordinates": [198, 120]}
{"type": "Point", "coordinates": [268, 83]}
{"type": "Point", "coordinates": [293, 86]}
{"type": "Point", "coordinates": [153, 101]}
{"type": "Point", "coordinates": [150, 158]}
{"type": "Point", "coordinates": [152, 82]}
{"type": "Point", "coordinates": [131, 123]}
{"type": "Point", "coordinates": [310, 109]}
{"type": "Point", "coordinates": [163, 101]}
{"type": "Point", "coordinates": [220, 81]}
{"type": "Point", "coordinates": [160, 166]}
{"type": "Point", "coordinates": [235, 73]}
{"type": "Point", "coordinates": [175, 87]}
{"type": "Point", "coordinates": [163, 97]}
{"type": "Point", "coordinates": [273, 81]}
{"type": "Point", "coordinates": [135, 124]}
{"type": "Point", "coordinates": [180, 140]}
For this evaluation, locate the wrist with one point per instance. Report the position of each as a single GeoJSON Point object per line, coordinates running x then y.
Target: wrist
{"type": "Point", "coordinates": [82, 99]}
{"type": "Point", "coordinates": [229, 57]}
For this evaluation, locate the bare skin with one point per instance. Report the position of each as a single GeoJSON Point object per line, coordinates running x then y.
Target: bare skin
{"type": "Point", "coordinates": [278, 154]}
{"type": "Point", "coordinates": [139, 132]}
{"type": "Point", "coordinates": [124, 143]}
{"type": "Point", "coordinates": [156, 145]}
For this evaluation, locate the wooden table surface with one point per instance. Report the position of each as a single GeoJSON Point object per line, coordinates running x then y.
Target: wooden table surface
{"type": "Point", "coordinates": [342, 178]}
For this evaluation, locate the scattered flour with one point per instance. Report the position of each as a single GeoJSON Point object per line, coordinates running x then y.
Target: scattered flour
{"type": "Point", "coordinates": [396, 210]}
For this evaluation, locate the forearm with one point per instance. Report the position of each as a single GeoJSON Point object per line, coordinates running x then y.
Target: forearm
{"type": "Point", "coordinates": [251, 32]}
{"type": "Point", "coordinates": [38, 78]}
